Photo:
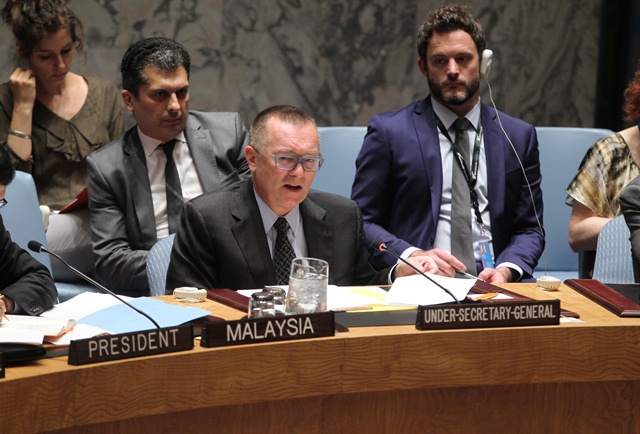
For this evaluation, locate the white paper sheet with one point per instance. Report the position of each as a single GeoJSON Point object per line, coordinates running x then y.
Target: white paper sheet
{"type": "Point", "coordinates": [415, 290]}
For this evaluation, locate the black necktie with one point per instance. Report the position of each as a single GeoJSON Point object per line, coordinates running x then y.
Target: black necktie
{"type": "Point", "coordinates": [283, 253]}
{"type": "Point", "coordinates": [174, 189]}
{"type": "Point", "coordinates": [461, 239]}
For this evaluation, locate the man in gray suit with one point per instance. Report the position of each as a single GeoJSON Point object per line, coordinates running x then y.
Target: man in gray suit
{"type": "Point", "coordinates": [139, 182]}
{"type": "Point", "coordinates": [226, 238]}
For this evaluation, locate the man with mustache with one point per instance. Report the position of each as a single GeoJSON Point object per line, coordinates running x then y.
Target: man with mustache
{"type": "Point", "coordinates": [139, 182]}
{"type": "Point", "coordinates": [441, 178]}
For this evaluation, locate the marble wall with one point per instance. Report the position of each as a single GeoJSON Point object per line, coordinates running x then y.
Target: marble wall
{"type": "Point", "coordinates": [344, 60]}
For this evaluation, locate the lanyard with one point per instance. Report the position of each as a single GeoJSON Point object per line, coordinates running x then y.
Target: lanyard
{"type": "Point", "coordinates": [471, 176]}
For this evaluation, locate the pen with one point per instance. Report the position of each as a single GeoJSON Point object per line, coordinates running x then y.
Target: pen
{"type": "Point", "coordinates": [467, 275]}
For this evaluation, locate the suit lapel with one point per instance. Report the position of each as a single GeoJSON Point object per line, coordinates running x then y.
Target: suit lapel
{"type": "Point", "coordinates": [495, 147]}
{"type": "Point", "coordinates": [250, 237]}
{"type": "Point", "coordinates": [135, 164]}
{"type": "Point", "coordinates": [318, 233]}
{"type": "Point", "coordinates": [201, 144]}
{"type": "Point", "coordinates": [426, 130]}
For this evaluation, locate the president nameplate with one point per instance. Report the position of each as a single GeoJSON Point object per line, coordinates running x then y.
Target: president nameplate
{"type": "Point", "coordinates": [480, 315]}
{"type": "Point", "coordinates": [268, 329]}
{"type": "Point", "coordinates": [128, 345]}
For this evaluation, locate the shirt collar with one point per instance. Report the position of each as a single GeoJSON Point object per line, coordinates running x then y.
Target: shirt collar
{"type": "Point", "coordinates": [269, 217]}
{"type": "Point", "coordinates": [448, 117]}
{"type": "Point", "coordinates": [150, 144]}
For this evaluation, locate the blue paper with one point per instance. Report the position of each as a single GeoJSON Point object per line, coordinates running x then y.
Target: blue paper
{"type": "Point", "coordinates": [122, 319]}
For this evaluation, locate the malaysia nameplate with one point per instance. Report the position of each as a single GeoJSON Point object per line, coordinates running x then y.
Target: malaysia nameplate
{"type": "Point", "coordinates": [268, 329]}
{"type": "Point", "coordinates": [127, 345]}
{"type": "Point", "coordinates": [480, 315]}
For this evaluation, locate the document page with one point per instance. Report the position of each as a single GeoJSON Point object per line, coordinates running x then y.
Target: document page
{"type": "Point", "coordinates": [415, 290]}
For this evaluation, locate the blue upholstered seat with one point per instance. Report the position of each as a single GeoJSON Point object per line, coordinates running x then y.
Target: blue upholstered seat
{"type": "Point", "coordinates": [613, 255]}
{"type": "Point", "coordinates": [561, 151]}
{"type": "Point", "coordinates": [340, 147]}
{"type": "Point", "coordinates": [23, 220]}
{"type": "Point", "coordinates": [158, 263]}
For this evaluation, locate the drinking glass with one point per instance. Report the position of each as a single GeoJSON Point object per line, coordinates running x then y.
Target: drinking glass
{"type": "Point", "coordinates": [307, 286]}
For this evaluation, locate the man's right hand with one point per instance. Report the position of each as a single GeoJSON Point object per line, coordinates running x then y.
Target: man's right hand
{"type": "Point", "coordinates": [447, 263]}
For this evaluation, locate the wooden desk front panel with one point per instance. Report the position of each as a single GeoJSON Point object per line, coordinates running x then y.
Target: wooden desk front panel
{"type": "Point", "coordinates": [546, 376]}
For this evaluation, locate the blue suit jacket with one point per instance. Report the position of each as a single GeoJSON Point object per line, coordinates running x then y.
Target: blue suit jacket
{"type": "Point", "coordinates": [398, 184]}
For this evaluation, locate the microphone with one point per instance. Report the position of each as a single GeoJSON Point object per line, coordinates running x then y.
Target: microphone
{"type": "Point", "coordinates": [37, 247]}
{"type": "Point", "coordinates": [377, 244]}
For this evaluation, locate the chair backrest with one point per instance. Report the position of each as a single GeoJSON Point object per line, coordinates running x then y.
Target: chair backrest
{"type": "Point", "coordinates": [158, 263]}
{"type": "Point", "coordinates": [613, 255]}
{"type": "Point", "coordinates": [339, 147]}
{"type": "Point", "coordinates": [561, 151]}
{"type": "Point", "coordinates": [22, 216]}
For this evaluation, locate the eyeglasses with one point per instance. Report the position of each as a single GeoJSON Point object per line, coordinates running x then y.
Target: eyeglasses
{"type": "Point", "coordinates": [290, 162]}
{"type": "Point", "coordinates": [3, 202]}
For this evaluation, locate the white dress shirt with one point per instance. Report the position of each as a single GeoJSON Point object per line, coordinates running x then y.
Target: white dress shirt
{"type": "Point", "coordinates": [156, 161]}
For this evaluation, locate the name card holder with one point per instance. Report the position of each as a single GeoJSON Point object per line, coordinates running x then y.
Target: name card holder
{"type": "Point", "coordinates": [481, 315]}
{"type": "Point", "coordinates": [269, 329]}
{"type": "Point", "coordinates": [128, 345]}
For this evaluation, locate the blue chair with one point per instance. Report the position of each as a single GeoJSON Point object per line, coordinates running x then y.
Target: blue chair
{"type": "Point", "coordinates": [339, 147]}
{"type": "Point", "coordinates": [561, 152]}
{"type": "Point", "coordinates": [23, 220]}
{"type": "Point", "coordinates": [613, 255]}
{"type": "Point", "coordinates": [158, 263]}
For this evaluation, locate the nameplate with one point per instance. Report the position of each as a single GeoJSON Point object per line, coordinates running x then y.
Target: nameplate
{"type": "Point", "coordinates": [480, 315]}
{"type": "Point", "coordinates": [270, 329]}
{"type": "Point", "coordinates": [128, 345]}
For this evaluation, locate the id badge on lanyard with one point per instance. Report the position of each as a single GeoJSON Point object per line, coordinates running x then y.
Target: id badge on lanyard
{"type": "Point", "coordinates": [486, 253]}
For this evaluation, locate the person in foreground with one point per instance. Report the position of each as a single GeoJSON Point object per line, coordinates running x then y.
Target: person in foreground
{"type": "Point", "coordinates": [138, 183]}
{"type": "Point", "coordinates": [417, 195]}
{"type": "Point", "coordinates": [607, 168]}
{"type": "Point", "coordinates": [25, 284]}
{"type": "Point", "coordinates": [53, 118]}
{"type": "Point", "coordinates": [229, 238]}
{"type": "Point", "coordinates": [630, 206]}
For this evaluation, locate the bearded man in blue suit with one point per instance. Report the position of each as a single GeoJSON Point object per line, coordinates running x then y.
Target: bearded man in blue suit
{"type": "Point", "coordinates": [404, 175]}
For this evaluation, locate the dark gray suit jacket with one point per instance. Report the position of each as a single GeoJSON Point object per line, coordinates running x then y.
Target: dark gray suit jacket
{"type": "Point", "coordinates": [23, 278]}
{"type": "Point", "coordinates": [630, 207]}
{"type": "Point", "coordinates": [221, 243]}
{"type": "Point", "coordinates": [122, 219]}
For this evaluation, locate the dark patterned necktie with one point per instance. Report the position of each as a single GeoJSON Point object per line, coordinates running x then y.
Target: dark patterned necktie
{"type": "Point", "coordinates": [283, 252]}
{"type": "Point", "coordinates": [461, 239]}
{"type": "Point", "coordinates": [175, 202]}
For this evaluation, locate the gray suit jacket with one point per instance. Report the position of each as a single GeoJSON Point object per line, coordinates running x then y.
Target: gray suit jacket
{"type": "Point", "coordinates": [122, 219]}
{"type": "Point", "coordinates": [221, 243]}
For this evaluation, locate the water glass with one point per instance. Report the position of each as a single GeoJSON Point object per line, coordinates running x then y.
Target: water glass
{"type": "Point", "coordinates": [307, 286]}
{"type": "Point", "coordinates": [279, 298]}
{"type": "Point", "coordinates": [261, 305]}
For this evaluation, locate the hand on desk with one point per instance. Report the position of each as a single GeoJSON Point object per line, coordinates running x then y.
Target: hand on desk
{"type": "Point", "coordinates": [496, 275]}
{"type": "Point", "coordinates": [446, 263]}
{"type": "Point", "coordinates": [425, 264]}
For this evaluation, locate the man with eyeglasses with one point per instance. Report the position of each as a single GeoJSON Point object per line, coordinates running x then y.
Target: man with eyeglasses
{"type": "Point", "coordinates": [25, 284]}
{"type": "Point", "coordinates": [227, 238]}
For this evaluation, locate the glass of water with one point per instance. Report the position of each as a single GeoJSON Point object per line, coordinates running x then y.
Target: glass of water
{"type": "Point", "coordinates": [307, 286]}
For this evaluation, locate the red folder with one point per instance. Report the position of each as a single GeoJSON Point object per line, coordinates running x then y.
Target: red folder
{"type": "Point", "coordinates": [81, 201]}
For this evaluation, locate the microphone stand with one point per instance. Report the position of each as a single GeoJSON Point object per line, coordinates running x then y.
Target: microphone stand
{"type": "Point", "coordinates": [39, 248]}
{"type": "Point", "coordinates": [383, 248]}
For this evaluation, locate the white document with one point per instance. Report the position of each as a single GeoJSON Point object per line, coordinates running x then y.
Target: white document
{"type": "Point", "coordinates": [415, 290]}
{"type": "Point", "coordinates": [14, 335]}
{"type": "Point", "coordinates": [82, 305]}
{"type": "Point", "coordinates": [338, 299]}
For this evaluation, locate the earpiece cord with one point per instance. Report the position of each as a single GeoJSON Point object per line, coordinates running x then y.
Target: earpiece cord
{"type": "Point", "coordinates": [533, 202]}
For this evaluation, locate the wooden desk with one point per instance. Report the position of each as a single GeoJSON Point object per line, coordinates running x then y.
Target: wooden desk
{"type": "Point", "coordinates": [575, 377]}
